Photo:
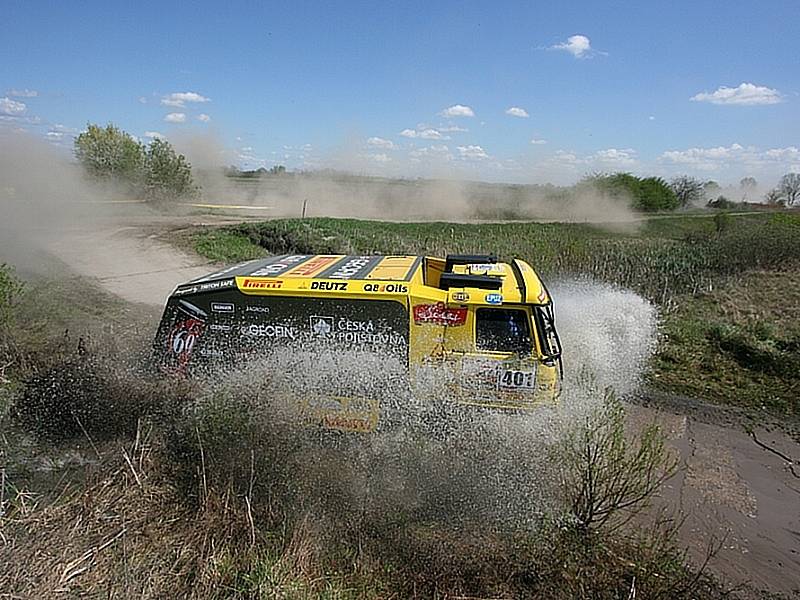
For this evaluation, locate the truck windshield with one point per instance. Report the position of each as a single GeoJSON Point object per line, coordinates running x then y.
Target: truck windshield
{"type": "Point", "coordinates": [502, 330]}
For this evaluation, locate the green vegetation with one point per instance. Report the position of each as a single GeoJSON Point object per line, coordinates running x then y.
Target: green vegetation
{"type": "Point", "coordinates": [227, 246]}
{"type": "Point", "coordinates": [738, 344]}
{"type": "Point", "coordinates": [608, 479]}
{"type": "Point", "coordinates": [11, 289]}
{"type": "Point", "coordinates": [153, 171]}
{"type": "Point", "coordinates": [665, 258]}
{"type": "Point", "coordinates": [646, 193]}
{"type": "Point", "coordinates": [218, 499]}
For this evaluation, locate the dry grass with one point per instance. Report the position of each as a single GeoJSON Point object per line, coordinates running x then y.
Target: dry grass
{"type": "Point", "coordinates": [130, 533]}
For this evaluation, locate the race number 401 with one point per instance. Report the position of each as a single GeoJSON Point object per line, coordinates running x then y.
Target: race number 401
{"type": "Point", "coordinates": [510, 379]}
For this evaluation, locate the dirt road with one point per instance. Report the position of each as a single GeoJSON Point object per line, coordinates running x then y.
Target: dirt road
{"type": "Point", "coordinates": [736, 489]}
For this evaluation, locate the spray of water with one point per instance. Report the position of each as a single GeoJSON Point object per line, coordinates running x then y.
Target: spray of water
{"type": "Point", "coordinates": [433, 460]}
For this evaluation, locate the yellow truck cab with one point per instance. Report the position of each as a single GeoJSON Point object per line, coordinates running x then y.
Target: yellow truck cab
{"type": "Point", "coordinates": [488, 324]}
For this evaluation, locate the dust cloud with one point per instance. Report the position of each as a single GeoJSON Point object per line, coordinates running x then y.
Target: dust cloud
{"type": "Point", "coordinates": [44, 196]}
{"type": "Point", "coordinates": [325, 194]}
{"type": "Point", "coordinates": [345, 191]}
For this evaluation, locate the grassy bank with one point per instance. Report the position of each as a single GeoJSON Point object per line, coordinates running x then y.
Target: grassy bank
{"type": "Point", "coordinates": [726, 284]}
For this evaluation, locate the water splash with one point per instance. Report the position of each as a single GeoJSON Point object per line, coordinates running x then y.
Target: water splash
{"type": "Point", "coordinates": [438, 461]}
{"type": "Point", "coordinates": [608, 333]}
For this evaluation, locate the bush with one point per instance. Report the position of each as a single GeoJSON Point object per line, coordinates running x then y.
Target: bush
{"type": "Point", "coordinates": [647, 194]}
{"type": "Point", "coordinates": [110, 153]}
{"type": "Point", "coordinates": [755, 346]}
{"type": "Point", "coordinates": [167, 175]}
{"type": "Point", "coordinates": [721, 202]}
{"type": "Point", "coordinates": [607, 479]}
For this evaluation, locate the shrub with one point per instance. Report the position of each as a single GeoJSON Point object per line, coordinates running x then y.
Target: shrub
{"type": "Point", "coordinates": [167, 174]}
{"type": "Point", "coordinates": [755, 346]}
{"type": "Point", "coordinates": [647, 194]}
{"type": "Point", "coordinates": [721, 202]}
{"type": "Point", "coordinates": [607, 479]}
{"type": "Point", "coordinates": [110, 153]}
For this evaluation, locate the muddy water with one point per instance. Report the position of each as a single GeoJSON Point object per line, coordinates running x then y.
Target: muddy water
{"type": "Point", "coordinates": [735, 495]}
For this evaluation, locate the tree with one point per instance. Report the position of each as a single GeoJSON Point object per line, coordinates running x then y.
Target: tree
{"type": "Point", "coordinates": [789, 188]}
{"type": "Point", "coordinates": [168, 175]}
{"type": "Point", "coordinates": [748, 185]}
{"type": "Point", "coordinates": [687, 190]}
{"type": "Point", "coordinates": [277, 170]}
{"type": "Point", "coordinates": [711, 188]}
{"type": "Point", "coordinates": [155, 171]}
{"type": "Point", "coordinates": [110, 153]}
{"type": "Point", "coordinates": [774, 197]}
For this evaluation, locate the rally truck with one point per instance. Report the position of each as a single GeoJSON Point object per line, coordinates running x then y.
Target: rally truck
{"type": "Point", "coordinates": [488, 327]}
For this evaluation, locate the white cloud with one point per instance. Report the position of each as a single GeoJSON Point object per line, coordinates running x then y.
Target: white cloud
{"type": "Point", "coordinates": [379, 158]}
{"type": "Point", "coordinates": [516, 111]}
{"type": "Point", "coordinates": [472, 153]}
{"type": "Point", "coordinates": [142, 100]}
{"type": "Point", "coordinates": [725, 157]}
{"type": "Point", "coordinates": [453, 129]}
{"type": "Point", "coordinates": [424, 134]}
{"type": "Point", "coordinates": [536, 142]}
{"type": "Point", "coordinates": [457, 110]}
{"type": "Point", "coordinates": [60, 128]}
{"type": "Point", "coordinates": [11, 107]}
{"type": "Point", "coordinates": [614, 158]}
{"type": "Point", "coordinates": [203, 117]}
{"type": "Point", "coordinates": [26, 93]}
{"type": "Point", "coordinates": [175, 118]}
{"type": "Point", "coordinates": [435, 152]}
{"type": "Point", "coordinates": [179, 99]}
{"type": "Point", "coordinates": [54, 135]}
{"type": "Point", "coordinates": [608, 159]}
{"type": "Point", "coordinates": [153, 135]}
{"type": "Point", "coordinates": [577, 45]}
{"type": "Point", "coordinates": [379, 142]}
{"type": "Point", "coordinates": [651, 118]}
{"type": "Point", "coordinates": [746, 94]}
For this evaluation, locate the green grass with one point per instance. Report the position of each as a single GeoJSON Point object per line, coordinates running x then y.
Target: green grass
{"type": "Point", "coordinates": [664, 258]}
{"type": "Point", "coordinates": [737, 345]}
{"type": "Point", "coordinates": [227, 246]}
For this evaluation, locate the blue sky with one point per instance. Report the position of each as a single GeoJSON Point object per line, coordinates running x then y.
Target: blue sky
{"type": "Point", "coordinates": [536, 91]}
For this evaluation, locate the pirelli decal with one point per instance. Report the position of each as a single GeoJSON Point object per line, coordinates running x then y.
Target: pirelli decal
{"type": "Point", "coordinates": [258, 283]}
{"type": "Point", "coordinates": [351, 267]}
